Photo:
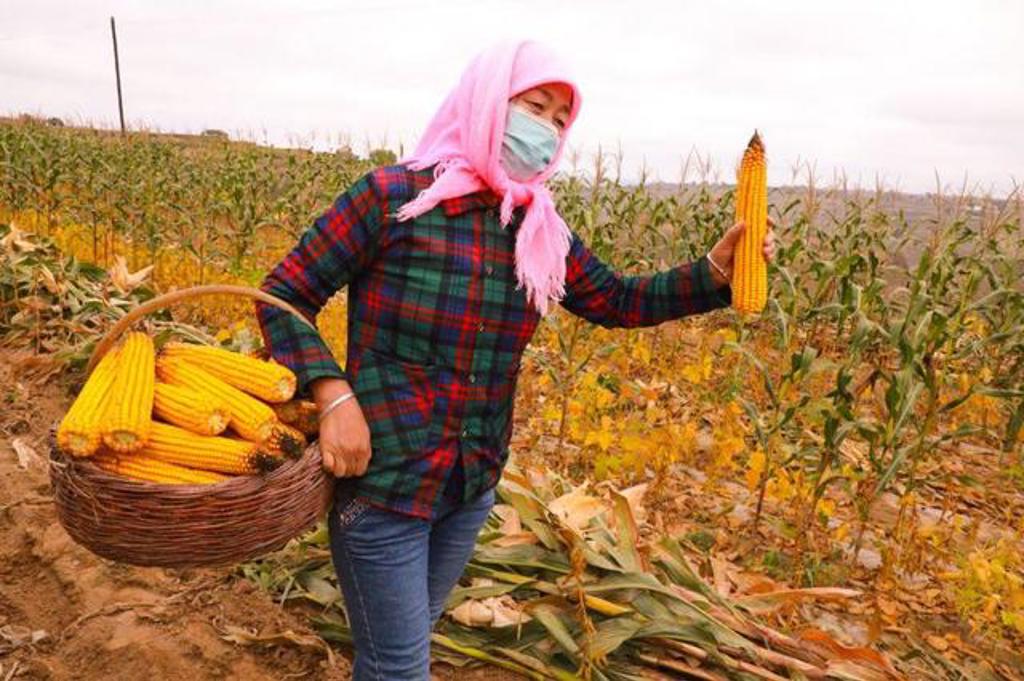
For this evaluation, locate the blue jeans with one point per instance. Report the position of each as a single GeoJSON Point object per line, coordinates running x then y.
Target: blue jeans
{"type": "Point", "coordinates": [395, 573]}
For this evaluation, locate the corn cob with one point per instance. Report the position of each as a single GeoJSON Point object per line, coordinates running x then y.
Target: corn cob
{"type": "Point", "coordinates": [268, 381]}
{"type": "Point", "coordinates": [190, 409]}
{"type": "Point", "coordinates": [127, 419]}
{"type": "Point", "coordinates": [300, 414]}
{"type": "Point", "coordinates": [286, 440]}
{"type": "Point", "coordinates": [750, 273]}
{"type": "Point", "coordinates": [147, 468]}
{"type": "Point", "coordinates": [224, 454]}
{"type": "Point", "coordinates": [248, 417]}
{"type": "Point", "coordinates": [81, 430]}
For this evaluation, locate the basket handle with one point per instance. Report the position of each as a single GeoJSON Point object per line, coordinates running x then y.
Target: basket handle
{"type": "Point", "coordinates": [168, 299]}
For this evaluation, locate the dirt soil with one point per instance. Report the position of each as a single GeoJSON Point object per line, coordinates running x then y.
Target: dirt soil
{"type": "Point", "coordinates": [66, 613]}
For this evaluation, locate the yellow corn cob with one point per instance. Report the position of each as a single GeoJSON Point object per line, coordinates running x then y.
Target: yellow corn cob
{"type": "Point", "coordinates": [190, 409]}
{"type": "Point", "coordinates": [300, 414]}
{"type": "Point", "coordinates": [126, 421]}
{"type": "Point", "coordinates": [249, 417]}
{"type": "Point", "coordinates": [286, 440]}
{"type": "Point", "coordinates": [750, 273]}
{"type": "Point", "coordinates": [154, 470]}
{"type": "Point", "coordinates": [81, 430]}
{"type": "Point", "coordinates": [268, 381]}
{"type": "Point", "coordinates": [224, 454]}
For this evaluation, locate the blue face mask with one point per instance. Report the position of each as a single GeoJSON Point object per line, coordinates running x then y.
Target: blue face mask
{"type": "Point", "coordinates": [529, 145]}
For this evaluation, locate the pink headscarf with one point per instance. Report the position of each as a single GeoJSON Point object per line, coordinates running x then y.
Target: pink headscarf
{"type": "Point", "coordinates": [464, 139]}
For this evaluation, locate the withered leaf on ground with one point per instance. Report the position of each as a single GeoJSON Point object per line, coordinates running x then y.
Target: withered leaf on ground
{"type": "Point", "coordinates": [242, 636]}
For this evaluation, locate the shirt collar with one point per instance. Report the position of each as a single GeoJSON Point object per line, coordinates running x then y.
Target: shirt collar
{"type": "Point", "coordinates": [458, 205]}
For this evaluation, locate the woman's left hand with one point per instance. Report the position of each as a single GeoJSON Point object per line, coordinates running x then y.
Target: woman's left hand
{"type": "Point", "coordinates": [725, 250]}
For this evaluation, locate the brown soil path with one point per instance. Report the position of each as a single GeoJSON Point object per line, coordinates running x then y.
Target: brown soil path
{"type": "Point", "coordinates": [95, 619]}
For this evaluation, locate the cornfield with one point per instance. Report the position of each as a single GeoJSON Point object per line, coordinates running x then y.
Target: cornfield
{"type": "Point", "coordinates": [864, 430]}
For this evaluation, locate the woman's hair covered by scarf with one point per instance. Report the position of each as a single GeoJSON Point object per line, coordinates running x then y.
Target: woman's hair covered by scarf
{"type": "Point", "coordinates": [463, 141]}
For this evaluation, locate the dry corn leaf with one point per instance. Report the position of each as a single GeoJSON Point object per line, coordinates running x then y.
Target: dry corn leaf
{"type": "Point", "coordinates": [853, 671]}
{"type": "Point", "coordinates": [753, 583]}
{"type": "Point", "coordinates": [15, 636]}
{"type": "Point", "coordinates": [124, 280]}
{"type": "Point", "coordinates": [516, 539]}
{"type": "Point", "coordinates": [635, 497]}
{"type": "Point", "coordinates": [510, 522]}
{"type": "Point", "coordinates": [15, 241]}
{"type": "Point", "coordinates": [507, 613]}
{"type": "Point", "coordinates": [25, 453]}
{"type": "Point", "coordinates": [472, 613]}
{"type": "Point", "coordinates": [577, 508]}
{"type": "Point", "coordinates": [889, 608]}
{"type": "Point", "coordinates": [870, 664]}
{"type": "Point", "coordinates": [496, 611]}
{"type": "Point", "coordinates": [30, 304]}
{"type": "Point", "coordinates": [241, 636]}
{"type": "Point", "coordinates": [720, 573]}
{"type": "Point", "coordinates": [537, 481]}
{"type": "Point", "coordinates": [320, 590]}
{"type": "Point", "coordinates": [773, 600]}
{"type": "Point", "coordinates": [49, 281]}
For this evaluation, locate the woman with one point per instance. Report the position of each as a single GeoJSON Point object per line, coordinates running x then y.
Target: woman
{"type": "Point", "coordinates": [451, 258]}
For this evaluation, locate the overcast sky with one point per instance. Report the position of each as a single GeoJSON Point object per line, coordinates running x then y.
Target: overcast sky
{"type": "Point", "coordinates": [898, 90]}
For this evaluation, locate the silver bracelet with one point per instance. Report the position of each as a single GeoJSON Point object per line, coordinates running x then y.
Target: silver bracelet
{"type": "Point", "coordinates": [334, 403]}
{"type": "Point", "coordinates": [717, 268]}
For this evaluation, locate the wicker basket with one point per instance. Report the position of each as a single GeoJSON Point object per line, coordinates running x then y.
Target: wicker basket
{"type": "Point", "coordinates": [144, 523]}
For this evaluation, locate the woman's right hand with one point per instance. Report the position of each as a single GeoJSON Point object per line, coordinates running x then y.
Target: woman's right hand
{"type": "Point", "coordinates": [344, 433]}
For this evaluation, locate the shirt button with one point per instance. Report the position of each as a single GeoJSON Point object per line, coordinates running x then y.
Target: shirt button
{"type": "Point", "coordinates": [465, 432]}
{"type": "Point", "coordinates": [472, 378]}
{"type": "Point", "coordinates": [489, 269]}
{"type": "Point", "coordinates": [481, 327]}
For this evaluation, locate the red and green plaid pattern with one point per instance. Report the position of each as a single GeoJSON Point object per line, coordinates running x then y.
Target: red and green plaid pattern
{"type": "Point", "coordinates": [437, 328]}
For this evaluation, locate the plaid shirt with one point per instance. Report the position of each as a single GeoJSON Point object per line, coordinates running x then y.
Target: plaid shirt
{"type": "Point", "coordinates": [437, 328]}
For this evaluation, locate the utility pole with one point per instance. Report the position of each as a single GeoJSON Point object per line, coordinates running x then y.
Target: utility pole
{"type": "Point", "coordinates": [117, 72]}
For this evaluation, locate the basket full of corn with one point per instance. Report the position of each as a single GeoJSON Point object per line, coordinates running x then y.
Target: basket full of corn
{"type": "Point", "coordinates": [187, 455]}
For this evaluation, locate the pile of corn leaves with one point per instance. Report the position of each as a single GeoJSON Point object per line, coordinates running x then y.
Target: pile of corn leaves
{"type": "Point", "coordinates": [54, 308]}
{"type": "Point", "coordinates": [565, 584]}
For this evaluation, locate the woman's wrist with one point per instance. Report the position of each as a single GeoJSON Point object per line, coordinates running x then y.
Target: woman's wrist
{"type": "Point", "coordinates": [718, 273]}
{"type": "Point", "coordinates": [335, 403]}
{"type": "Point", "coordinates": [326, 390]}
